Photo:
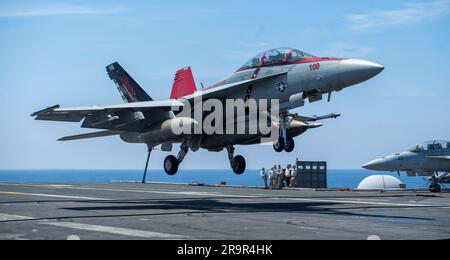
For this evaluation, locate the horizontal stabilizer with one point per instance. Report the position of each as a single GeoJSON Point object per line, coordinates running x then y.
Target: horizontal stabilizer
{"type": "Point", "coordinates": [90, 135]}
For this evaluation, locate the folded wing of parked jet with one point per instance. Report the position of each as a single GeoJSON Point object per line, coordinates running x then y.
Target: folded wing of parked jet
{"type": "Point", "coordinates": [76, 114]}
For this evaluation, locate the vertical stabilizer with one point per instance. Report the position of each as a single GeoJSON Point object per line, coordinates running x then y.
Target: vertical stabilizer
{"type": "Point", "coordinates": [184, 84]}
{"type": "Point", "coordinates": [129, 89]}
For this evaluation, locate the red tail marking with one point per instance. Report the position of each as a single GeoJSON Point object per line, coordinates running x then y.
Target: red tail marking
{"type": "Point", "coordinates": [184, 84]}
{"type": "Point", "coordinates": [130, 89]}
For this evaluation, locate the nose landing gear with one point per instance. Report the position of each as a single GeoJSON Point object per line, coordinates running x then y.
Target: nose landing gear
{"type": "Point", "coordinates": [284, 142]}
{"type": "Point", "coordinates": [435, 184]}
{"type": "Point", "coordinates": [287, 145]}
{"type": "Point", "coordinates": [278, 145]}
{"type": "Point", "coordinates": [435, 188]}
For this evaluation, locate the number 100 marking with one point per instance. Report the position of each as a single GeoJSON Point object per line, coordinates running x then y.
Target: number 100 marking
{"type": "Point", "coordinates": [315, 66]}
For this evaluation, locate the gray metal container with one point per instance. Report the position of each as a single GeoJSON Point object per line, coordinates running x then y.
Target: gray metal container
{"type": "Point", "coordinates": [311, 175]}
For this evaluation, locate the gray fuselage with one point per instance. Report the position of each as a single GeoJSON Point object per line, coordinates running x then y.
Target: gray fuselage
{"type": "Point", "coordinates": [420, 161]}
{"type": "Point", "coordinates": [294, 84]}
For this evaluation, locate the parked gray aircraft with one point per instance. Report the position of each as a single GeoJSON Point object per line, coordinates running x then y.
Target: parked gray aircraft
{"type": "Point", "coordinates": [428, 159]}
{"type": "Point", "coordinates": [288, 75]}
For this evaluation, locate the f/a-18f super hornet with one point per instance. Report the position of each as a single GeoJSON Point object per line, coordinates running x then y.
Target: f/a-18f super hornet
{"type": "Point", "coordinates": [287, 75]}
{"type": "Point", "coordinates": [430, 159]}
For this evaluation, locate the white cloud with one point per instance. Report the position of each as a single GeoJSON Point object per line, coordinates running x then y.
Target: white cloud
{"type": "Point", "coordinates": [254, 45]}
{"type": "Point", "coordinates": [58, 9]}
{"type": "Point", "coordinates": [410, 14]}
{"type": "Point", "coordinates": [348, 50]}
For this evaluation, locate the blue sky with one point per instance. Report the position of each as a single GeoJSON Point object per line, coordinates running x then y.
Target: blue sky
{"type": "Point", "coordinates": [55, 52]}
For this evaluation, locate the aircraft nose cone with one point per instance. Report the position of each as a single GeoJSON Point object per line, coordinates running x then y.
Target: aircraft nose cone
{"type": "Point", "coordinates": [355, 71]}
{"type": "Point", "coordinates": [374, 165]}
{"type": "Point", "coordinates": [367, 166]}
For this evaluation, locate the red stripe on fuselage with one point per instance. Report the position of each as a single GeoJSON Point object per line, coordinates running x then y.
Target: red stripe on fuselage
{"type": "Point", "coordinates": [316, 59]}
{"type": "Point", "coordinates": [308, 60]}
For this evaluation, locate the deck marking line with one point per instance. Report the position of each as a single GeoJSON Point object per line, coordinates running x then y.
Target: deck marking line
{"type": "Point", "coordinates": [96, 228]}
{"type": "Point", "coordinates": [113, 230]}
{"type": "Point", "coordinates": [360, 202]}
{"type": "Point", "coordinates": [49, 195]}
{"type": "Point", "coordinates": [9, 217]}
{"type": "Point", "coordinates": [192, 193]}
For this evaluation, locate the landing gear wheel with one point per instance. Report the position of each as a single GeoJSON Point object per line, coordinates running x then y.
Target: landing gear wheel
{"type": "Point", "coordinates": [239, 165]}
{"type": "Point", "coordinates": [278, 146]}
{"type": "Point", "coordinates": [171, 165]}
{"type": "Point", "coordinates": [435, 188]}
{"type": "Point", "coordinates": [289, 145]}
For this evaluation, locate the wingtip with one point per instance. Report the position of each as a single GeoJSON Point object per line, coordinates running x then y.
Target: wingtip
{"type": "Point", "coordinates": [63, 139]}
{"type": "Point", "coordinates": [45, 110]}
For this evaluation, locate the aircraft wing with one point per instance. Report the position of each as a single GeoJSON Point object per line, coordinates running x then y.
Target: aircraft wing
{"type": "Point", "coordinates": [76, 114]}
{"type": "Point", "coordinates": [444, 157]}
{"type": "Point", "coordinates": [228, 89]}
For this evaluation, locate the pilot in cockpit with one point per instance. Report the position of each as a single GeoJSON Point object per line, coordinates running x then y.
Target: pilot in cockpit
{"type": "Point", "coordinates": [435, 146]}
{"type": "Point", "coordinates": [255, 62]}
{"type": "Point", "coordinates": [274, 57]}
{"type": "Point", "coordinates": [279, 57]}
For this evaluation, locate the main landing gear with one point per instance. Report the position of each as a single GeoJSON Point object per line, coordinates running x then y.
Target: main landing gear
{"type": "Point", "coordinates": [171, 163]}
{"type": "Point", "coordinates": [237, 163]}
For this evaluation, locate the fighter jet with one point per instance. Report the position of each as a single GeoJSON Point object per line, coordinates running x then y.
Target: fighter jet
{"type": "Point", "coordinates": [287, 75]}
{"type": "Point", "coordinates": [430, 159]}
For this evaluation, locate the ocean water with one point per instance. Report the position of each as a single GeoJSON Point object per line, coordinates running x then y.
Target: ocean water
{"type": "Point", "coordinates": [336, 178]}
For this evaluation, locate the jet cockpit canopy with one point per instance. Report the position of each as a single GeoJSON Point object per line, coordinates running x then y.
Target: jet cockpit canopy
{"type": "Point", "coordinates": [280, 56]}
{"type": "Point", "coordinates": [431, 146]}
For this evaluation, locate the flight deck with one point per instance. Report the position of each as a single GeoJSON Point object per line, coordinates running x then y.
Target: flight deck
{"type": "Point", "coordinates": [186, 212]}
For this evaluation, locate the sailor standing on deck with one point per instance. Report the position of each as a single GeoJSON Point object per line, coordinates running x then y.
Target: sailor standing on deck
{"type": "Point", "coordinates": [287, 175]}
{"type": "Point", "coordinates": [264, 176]}
{"type": "Point", "coordinates": [273, 177]}
{"type": "Point", "coordinates": [293, 175]}
{"type": "Point", "coordinates": [281, 178]}
{"type": "Point", "coordinates": [278, 176]}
